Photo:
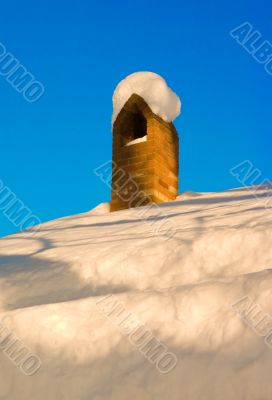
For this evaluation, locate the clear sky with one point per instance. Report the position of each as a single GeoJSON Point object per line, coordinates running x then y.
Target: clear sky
{"type": "Point", "coordinates": [80, 50]}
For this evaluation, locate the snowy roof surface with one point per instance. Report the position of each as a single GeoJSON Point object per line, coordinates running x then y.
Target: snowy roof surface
{"type": "Point", "coordinates": [153, 89]}
{"type": "Point", "coordinates": [54, 285]}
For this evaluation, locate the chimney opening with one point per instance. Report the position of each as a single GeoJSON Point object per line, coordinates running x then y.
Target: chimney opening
{"type": "Point", "coordinates": [133, 126]}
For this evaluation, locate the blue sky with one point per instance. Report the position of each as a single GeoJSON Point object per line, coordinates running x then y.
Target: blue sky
{"type": "Point", "coordinates": [81, 50]}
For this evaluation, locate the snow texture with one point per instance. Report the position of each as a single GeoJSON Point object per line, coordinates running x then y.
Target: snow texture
{"type": "Point", "coordinates": [139, 140]}
{"type": "Point", "coordinates": [182, 289]}
{"type": "Point", "coordinates": [153, 89]}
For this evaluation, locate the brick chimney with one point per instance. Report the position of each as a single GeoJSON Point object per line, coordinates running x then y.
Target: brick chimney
{"type": "Point", "coordinates": [145, 157]}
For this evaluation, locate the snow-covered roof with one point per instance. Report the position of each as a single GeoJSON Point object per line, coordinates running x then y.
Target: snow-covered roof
{"type": "Point", "coordinates": [153, 89]}
{"type": "Point", "coordinates": [95, 296]}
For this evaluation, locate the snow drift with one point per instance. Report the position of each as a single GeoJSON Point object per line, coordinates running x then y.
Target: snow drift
{"type": "Point", "coordinates": [153, 89]}
{"type": "Point", "coordinates": [180, 289]}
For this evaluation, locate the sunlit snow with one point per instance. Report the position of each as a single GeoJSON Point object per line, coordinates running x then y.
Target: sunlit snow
{"type": "Point", "coordinates": [182, 289]}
